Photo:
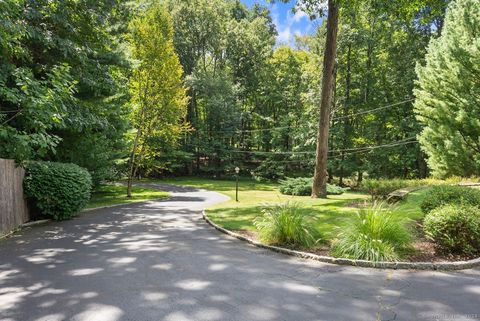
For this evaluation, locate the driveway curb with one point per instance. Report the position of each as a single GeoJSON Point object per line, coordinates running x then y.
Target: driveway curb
{"type": "Point", "coordinates": [439, 266]}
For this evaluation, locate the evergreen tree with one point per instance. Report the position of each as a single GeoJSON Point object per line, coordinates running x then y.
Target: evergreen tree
{"type": "Point", "coordinates": [448, 94]}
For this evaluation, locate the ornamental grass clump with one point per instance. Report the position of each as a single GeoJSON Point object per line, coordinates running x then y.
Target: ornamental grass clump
{"type": "Point", "coordinates": [375, 234]}
{"type": "Point", "coordinates": [284, 224]}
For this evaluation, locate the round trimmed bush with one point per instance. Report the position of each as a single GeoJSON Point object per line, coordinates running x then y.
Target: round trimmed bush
{"type": "Point", "coordinates": [58, 190]}
{"type": "Point", "coordinates": [448, 194]}
{"type": "Point", "coordinates": [455, 229]}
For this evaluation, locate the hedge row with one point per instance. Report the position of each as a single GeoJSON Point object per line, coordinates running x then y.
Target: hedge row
{"type": "Point", "coordinates": [380, 188]}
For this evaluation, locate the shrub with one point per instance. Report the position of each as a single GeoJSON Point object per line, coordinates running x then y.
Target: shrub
{"type": "Point", "coordinates": [380, 188]}
{"type": "Point", "coordinates": [374, 235]}
{"type": "Point", "coordinates": [302, 186]}
{"type": "Point", "coordinates": [284, 224]}
{"type": "Point", "coordinates": [269, 170]}
{"type": "Point", "coordinates": [59, 190]}
{"type": "Point", "coordinates": [335, 189]}
{"type": "Point", "coordinates": [454, 229]}
{"type": "Point", "coordinates": [446, 194]}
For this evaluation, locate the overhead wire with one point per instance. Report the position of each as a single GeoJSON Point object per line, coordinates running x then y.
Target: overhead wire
{"type": "Point", "coordinates": [349, 153]}
{"type": "Point", "coordinates": [396, 143]}
{"type": "Point", "coordinates": [335, 118]}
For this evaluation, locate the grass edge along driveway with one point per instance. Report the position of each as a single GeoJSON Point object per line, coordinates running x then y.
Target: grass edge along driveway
{"type": "Point", "coordinates": [116, 194]}
{"type": "Point", "coordinates": [327, 215]}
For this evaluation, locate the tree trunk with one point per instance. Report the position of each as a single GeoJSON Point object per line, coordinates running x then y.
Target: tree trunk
{"type": "Point", "coordinates": [319, 188]}
{"type": "Point", "coordinates": [132, 164]}
{"type": "Point", "coordinates": [359, 178]}
{"type": "Point", "coordinates": [422, 165]}
{"type": "Point", "coordinates": [346, 105]}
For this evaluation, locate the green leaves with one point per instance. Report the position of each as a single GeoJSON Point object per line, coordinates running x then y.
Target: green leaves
{"type": "Point", "coordinates": [448, 94]}
{"type": "Point", "coordinates": [59, 190]}
{"type": "Point", "coordinates": [302, 186]}
{"type": "Point", "coordinates": [62, 82]}
{"type": "Point", "coordinates": [157, 93]}
{"type": "Point", "coordinates": [285, 224]}
{"type": "Point", "coordinates": [374, 235]}
{"type": "Point", "coordinates": [455, 229]}
{"type": "Point", "coordinates": [438, 196]}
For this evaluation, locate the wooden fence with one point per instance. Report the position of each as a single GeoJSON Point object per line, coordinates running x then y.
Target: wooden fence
{"type": "Point", "coordinates": [13, 206]}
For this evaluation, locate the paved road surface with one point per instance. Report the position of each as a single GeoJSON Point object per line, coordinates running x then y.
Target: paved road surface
{"type": "Point", "coordinates": [159, 261]}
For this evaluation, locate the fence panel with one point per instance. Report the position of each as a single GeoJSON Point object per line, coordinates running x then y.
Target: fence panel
{"type": "Point", "coordinates": [13, 206]}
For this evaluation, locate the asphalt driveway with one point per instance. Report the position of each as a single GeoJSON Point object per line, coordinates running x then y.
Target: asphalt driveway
{"type": "Point", "coordinates": [160, 261]}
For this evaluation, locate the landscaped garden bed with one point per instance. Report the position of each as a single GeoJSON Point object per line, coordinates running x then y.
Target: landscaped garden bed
{"type": "Point", "coordinates": [327, 220]}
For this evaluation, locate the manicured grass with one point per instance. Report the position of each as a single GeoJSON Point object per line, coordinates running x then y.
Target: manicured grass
{"type": "Point", "coordinates": [112, 194]}
{"type": "Point", "coordinates": [325, 214]}
{"type": "Point", "coordinates": [410, 207]}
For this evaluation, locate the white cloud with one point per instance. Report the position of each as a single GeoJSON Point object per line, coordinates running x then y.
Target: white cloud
{"type": "Point", "coordinates": [299, 15]}
{"type": "Point", "coordinates": [287, 27]}
{"type": "Point", "coordinates": [284, 36]}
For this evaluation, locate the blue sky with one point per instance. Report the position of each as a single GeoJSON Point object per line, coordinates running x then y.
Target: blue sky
{"type": "Point", "coordinates": [288, 24]}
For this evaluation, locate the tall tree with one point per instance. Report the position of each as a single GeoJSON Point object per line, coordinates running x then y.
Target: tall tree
{"type": "Point", "coordinates": [156, 87]}
{"type": "Point", "coordinates": [320, 176]}
{"type": "Point", "coordinates": [448, 94]}
{"type": "Point", "coordinates": [315, 8]}
{"type": "Point", "coordinates": [62, 81]}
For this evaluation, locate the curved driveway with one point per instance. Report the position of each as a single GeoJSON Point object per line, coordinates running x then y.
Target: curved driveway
{"type": "Point", "coordinates": [160, 261]}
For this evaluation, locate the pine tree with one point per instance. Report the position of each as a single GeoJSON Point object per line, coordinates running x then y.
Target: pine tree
{"type": "Point", "coordinates": [448, 94]}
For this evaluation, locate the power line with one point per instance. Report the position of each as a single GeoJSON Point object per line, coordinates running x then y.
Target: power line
{"type": "Point", "coordinates": [336, 118]}
{"type": "Point", "coordinates": [373, 110]}
{"type": "Point", "coordinates": [366, 148]}
{"type": "Point", "coordinates": [399, 142]}
{"type": "Point", "coordinates": [346, 154]}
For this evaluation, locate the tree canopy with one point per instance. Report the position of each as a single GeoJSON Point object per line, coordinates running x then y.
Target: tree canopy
{"type": "Point", "coordinates": [448, 94]}
{"type": "Point", "coordinates": [199, 87]}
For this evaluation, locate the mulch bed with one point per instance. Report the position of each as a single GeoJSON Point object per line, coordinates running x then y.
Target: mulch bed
{"type": "Point", "coordinates": [423, 250]}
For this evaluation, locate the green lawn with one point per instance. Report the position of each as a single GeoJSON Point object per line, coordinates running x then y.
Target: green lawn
{"type": "Point", "coordinates": [327, 215]}
{"type": "Point", "coordinates": [112, 194]}
{"type": "Point", "coordinates": [410, 207]}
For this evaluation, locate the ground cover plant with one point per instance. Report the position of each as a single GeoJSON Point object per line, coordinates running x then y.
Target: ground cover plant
{"type": "Point", "coordinates": [327, 217]}
{"type": "Point", "coordinates": [126, 90]}
{"type": "Point", "coordinates": [325, 214]}
{"type": "Point", "coordinates": [380, 188]}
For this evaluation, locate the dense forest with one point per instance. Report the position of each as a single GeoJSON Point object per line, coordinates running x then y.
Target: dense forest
{"type": "Point", "coordinates": [197, 87]}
